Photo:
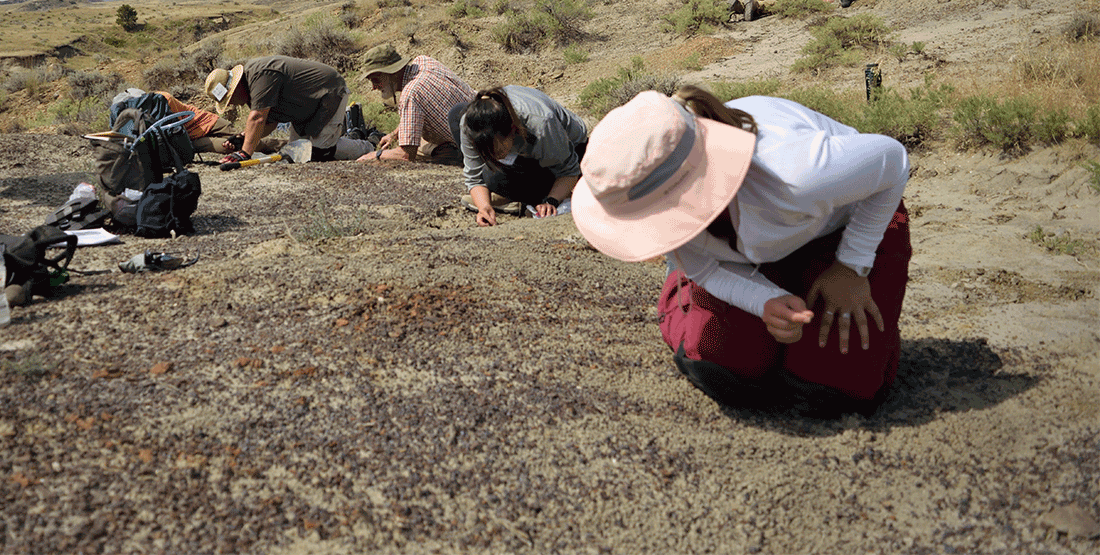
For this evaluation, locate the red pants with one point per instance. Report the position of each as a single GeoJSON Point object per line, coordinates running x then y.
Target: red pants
{"type": "Point", "coordinates": [714, 331]}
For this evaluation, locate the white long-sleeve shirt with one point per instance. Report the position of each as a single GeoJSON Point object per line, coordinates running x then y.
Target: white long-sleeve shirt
{"type": "Point", "coordinates": [810, 176]}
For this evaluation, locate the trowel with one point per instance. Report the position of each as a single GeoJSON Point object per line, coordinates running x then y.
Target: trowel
{"type": "Point", "coordinates": [298, 151]}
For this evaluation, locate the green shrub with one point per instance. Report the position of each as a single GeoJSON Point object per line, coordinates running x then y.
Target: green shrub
{"type": "Point", "coordinates": [187, 69]}
{"type": "Point", "coordinates": [799, 8]}
{"type": "Point", "coordinates": [1089, 127]}
{"type": "Point", "coordinates": [86, 114]}
{"type": "Point", "coordinates": [117, 42]}
{"type": "Point", "coordinates": [126, 17]}
{"type": "Point", "coordinates": [32, 80]}
{"type": "Point", "coordinates": [1062, 244]}
{"type": "Point", "coordinates": [603, 95]}
{"type": "Point", "coordinates": [465, 8]}
{"type": "Point", "coordinates": [93, 84]}
{"type": "Point", "coordinates": [982, 121]}
{"type": "Point", "coordinates": [729, 90]}
{"type": "Point", "coordinates": [548, 21]}
{"type": "Point", "coordinates": [698, 17]}
{"type": "Point", "coordinates": [349, 15]}
{"type": "Point", "coordinates": [841, 41]}
{"type": "Point", "coordinates": [911, 121]}
{"type": "Point", "coordinates": [1052, 126]}
{"type": "Point", "coordinates": [574, 55]}
{"type": "Point", "coordinates": [322, 38]}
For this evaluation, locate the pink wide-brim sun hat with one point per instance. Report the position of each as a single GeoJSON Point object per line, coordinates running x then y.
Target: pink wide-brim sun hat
{"type": "Point", "coordinates": [654, 176]}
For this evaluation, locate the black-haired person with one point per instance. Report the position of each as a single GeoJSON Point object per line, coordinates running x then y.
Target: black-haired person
{"type": "Point", "coordinates": [521, 144]}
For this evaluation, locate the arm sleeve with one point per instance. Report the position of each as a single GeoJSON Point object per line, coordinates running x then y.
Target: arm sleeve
{"type": "Point", "coordinates": [411, 126]}
{"type": "Point", "coordinates": [881, 165]}
{"type": "Point", "coordinates": [472, 164]}
{"type": "Point", "coordinates": [554, 150]}
{"type": "Point", "coordinates": [740, 285]}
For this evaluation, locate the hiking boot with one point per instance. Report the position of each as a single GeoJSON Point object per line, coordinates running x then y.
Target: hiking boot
{"type": "Point", "coordinates": [499, 203]}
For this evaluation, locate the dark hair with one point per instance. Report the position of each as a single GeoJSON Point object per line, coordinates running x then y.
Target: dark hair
{"type": "Point", "coordinates": [706, 105]}
{"type": "Point", "coordinates": [489, 116]}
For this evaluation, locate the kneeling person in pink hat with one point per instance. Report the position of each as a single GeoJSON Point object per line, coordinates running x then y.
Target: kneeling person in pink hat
{"type": "Point", "coordinates": [785, 235]}
{"type": "Point", "coordinates": [312, 97]}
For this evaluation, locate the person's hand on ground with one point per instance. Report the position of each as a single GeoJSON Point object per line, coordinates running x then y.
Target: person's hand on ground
{"type": "Point", "coordinates": [546, 209]}
{"type": "Point", "coordinates": [784, 316]}
{"type": "Point", "coordinates": [370, 157]}
{"type": "Point", "coordinates": [238, 156]}
{"type": "Point", "coordinates": [846, 297]}
{"type": "Point", "coordinates": [486, 216]}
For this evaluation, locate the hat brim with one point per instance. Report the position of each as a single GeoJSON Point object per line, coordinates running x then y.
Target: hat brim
{"type": "Point", "coordinates": [721, 160]}
{"type": "Point", "coordinates": [392, 68]}
{"type": "Point", "coordinates": [235, 75]}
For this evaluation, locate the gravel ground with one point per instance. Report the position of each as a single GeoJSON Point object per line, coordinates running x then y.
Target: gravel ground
{"type": "Point", "coordinates": [353, 366]}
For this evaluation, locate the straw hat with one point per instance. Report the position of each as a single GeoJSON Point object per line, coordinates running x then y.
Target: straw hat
{"type": "Point", "coordinates": [383, 58]}
{"type": "Point", "coordinates": [654, 176]}
{"type": "Point", "coordinates": [221, 84]}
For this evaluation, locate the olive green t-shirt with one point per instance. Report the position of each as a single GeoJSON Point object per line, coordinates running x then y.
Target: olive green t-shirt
{"type": "Point", "coordinates": [304, 93]}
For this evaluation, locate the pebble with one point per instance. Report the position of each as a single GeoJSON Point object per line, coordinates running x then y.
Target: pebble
{"type": "Point", "coordinates": [1073, 520]}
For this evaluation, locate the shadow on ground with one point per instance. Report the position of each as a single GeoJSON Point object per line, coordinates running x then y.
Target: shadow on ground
{"type": "Point", "coordinates": [934, 376]}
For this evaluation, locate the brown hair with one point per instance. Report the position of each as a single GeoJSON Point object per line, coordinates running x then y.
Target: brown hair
{"type": "Point", "coordinates": [706, 105]}
{"type": "Point", "coordinates": [489, 116]}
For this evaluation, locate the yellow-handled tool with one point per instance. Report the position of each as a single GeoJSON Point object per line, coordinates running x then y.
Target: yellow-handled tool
{"type": "Point", "coordinates": [252, 162]}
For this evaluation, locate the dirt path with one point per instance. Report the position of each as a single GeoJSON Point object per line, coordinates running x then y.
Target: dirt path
{"type": "Point", "coordinates": [419, 385]}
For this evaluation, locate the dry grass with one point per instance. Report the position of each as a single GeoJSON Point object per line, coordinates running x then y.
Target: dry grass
{"type": "Point", "coordinates": [1066, 75]}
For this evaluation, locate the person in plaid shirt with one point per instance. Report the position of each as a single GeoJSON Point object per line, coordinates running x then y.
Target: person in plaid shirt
{"type": "Point", "coordinates": [424, 92]}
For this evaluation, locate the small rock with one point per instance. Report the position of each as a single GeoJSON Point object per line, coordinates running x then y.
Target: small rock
{"type": "Point", "coordinates": [1073, 520]}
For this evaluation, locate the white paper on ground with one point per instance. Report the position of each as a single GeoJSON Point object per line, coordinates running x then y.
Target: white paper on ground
{"type": "Point", "coordinates": [95, 236]}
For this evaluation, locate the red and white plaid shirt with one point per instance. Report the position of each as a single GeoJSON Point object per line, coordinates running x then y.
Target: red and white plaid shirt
{"type": "Point", "coordinates": [428, 93]}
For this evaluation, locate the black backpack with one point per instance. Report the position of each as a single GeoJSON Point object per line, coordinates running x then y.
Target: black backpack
{"type": "Point", "coordinates": [166, 206]}
{"type": "Point", "coordinates": [28, 265]}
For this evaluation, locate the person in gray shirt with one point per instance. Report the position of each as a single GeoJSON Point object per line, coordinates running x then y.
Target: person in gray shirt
{"type": "Point", "coordinates": [522, 145]}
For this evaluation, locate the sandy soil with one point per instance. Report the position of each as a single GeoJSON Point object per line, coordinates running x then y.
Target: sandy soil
{"type": "Point", "coordinates": [353, 366]}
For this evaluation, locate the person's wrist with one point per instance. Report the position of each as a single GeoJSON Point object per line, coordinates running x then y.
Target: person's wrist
{"type": "Point", "coordinates": [378, 154]}
{"type": "Point", "coordinates": [551, 201]}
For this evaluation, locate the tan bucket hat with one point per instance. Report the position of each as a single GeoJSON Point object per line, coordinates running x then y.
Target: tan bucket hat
{"type": "Point", "coordinates": [655, 176]}
{"type": "Point", "coordinates": [221, 84]}
{"type": "Point", "coordinates": [383, 58]}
